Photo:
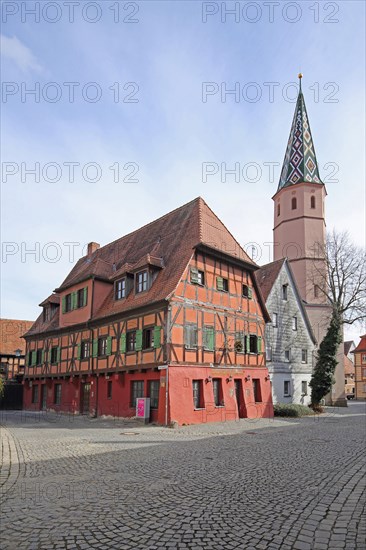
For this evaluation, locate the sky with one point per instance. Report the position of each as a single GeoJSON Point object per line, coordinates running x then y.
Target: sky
{"type": "Point", "coordinates": [115, 113]}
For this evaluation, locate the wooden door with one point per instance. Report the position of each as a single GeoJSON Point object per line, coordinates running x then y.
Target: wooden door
{"type": "Point", "coordinates": [239, 398]}
{"type": "Point", "coordinates": [43, 397]}
{"type": "Point", "coordinates": [85, 399]}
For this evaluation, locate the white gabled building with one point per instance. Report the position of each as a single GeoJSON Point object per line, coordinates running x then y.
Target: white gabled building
{"type": "Point", "coordinates": [290, 342]}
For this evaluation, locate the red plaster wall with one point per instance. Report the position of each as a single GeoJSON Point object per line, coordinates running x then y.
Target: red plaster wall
{"type": "Point", "coordinates": [181, 395]}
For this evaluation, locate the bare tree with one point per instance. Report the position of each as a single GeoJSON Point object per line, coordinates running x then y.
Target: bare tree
{"type": "Point", "coordinates": [343, 282]}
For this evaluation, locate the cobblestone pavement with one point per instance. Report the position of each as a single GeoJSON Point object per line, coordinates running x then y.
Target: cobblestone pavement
{"type": "Point", "coordinates": [77, 483]}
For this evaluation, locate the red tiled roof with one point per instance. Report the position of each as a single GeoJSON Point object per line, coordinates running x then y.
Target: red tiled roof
{"type": "Point", "coordinates": [167, 242]}
{"type": "Point", "coordinates": [52, 299]}
{"type": "Point", "coordinates": [362, 344]}
{"type": "Point", "coordinates": [11, 332]}
{"type": "Point", "coordinates": [267, 275]}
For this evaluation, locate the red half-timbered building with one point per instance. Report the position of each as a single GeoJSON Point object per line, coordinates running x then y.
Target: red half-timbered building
{"type": "Point", "coordinates": [171, 312]}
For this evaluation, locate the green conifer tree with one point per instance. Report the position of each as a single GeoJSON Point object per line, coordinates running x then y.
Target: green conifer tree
{"type": "Point", "coordinates": [323, 375]}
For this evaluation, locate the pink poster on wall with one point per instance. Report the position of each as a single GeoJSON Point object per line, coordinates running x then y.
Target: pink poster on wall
{"type": "Point", "coordinates": [141, 408]}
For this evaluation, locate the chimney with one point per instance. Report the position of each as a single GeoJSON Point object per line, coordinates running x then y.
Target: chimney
{"type": "Point", "coordinates": [92, 247]}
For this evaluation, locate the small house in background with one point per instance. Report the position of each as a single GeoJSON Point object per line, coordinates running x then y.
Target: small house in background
{"type": "Point", "coordinates": [349, 369]}
{"type": "Point", "coordinates": [290, 342]}
{"type": "Point", "coordinates": [360, 369]}
{"type": "Point", "coordinates": [12, 348]}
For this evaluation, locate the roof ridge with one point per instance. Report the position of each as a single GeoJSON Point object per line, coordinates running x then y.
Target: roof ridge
{"type": "Point", "coordinates": [280, 260]}
{"type": "Point", "coordinates": [203, 202]}
{"type": "Point", "coordinates": [147, 224]}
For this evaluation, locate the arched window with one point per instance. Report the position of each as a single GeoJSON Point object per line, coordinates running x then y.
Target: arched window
{"type": "Point", "coordinates": [312, 202]}
{"type": "Point", "coordinates": [278, 209]}
{"type": "Point", "coordinates": [294, 203]}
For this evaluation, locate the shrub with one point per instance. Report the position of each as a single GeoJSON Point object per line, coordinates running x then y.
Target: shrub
{"type": "Point", "coordinates": [284, 409]}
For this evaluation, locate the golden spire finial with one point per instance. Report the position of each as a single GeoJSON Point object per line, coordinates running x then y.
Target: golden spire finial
{"type": "Point", "coordinates": [300, 76]}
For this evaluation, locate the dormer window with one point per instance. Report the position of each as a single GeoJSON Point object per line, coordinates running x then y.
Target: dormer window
{"type": "Point", "coordinates": [141, 281]}
{"type": "Point", "coordinates": [68, 302]}
{"type": "Point", "coordinates": [75, 300]}
{"type": "Point", "coordinates": [120, 289]}
{"type": "Point", "coordinates": [82, 297]}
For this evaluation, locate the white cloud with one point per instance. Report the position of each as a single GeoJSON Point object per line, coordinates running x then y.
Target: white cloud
{"type": "Point", "coordinates": [14, 50]}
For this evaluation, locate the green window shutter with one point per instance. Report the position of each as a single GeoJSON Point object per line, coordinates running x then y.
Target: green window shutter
{"type": "Point", "coordinates": [109, 345]}
{"type": "Point", "coordinates": [78, 355]}
{"type": "Point", "coordinates": [74, 300]}
{"type": "Point", "coordinates": [29, 362]}
{"type": "Point", "coordinates": [58, 355]}
{"type": "Point", "coordinates": [95, 347]}
{"type": "Point", "coordinates": [64, 304]}
{"type": "Point", "coordinates": [42, 359]}
{"type": "Point", "coordinates": [157, 337]}
{"type": "Point", "coordinates": [210, 339]}
{"type": "Point", "coordinates": [85, 291]}
{"type": "Point", "coordinates": [138, 346]}
{"type": "Point", "coordinates": [122, 343]}
{"type": "Point", "coordinates": [34, 358]}
{"type": "Point", "coordinates": [259, 344]}
{"type": "Point", "coordinates": [194, 275]}
{"type": "Point", "coordinates": [250, 293]}
{"type": "Point", "coordinates": [247, 343]}
{"type": "Point", "coordinates": [219, 283]}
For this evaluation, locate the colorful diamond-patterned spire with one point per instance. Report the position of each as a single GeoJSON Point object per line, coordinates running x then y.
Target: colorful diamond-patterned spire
{"type": "Point", "coordinates": [300, 164]}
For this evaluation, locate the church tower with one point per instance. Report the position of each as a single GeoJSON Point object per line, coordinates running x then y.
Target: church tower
{"type": "Point", "coordinates": [299, 227]}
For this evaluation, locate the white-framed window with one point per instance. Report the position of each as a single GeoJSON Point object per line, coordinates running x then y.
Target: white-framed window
{"type": "Point", "coordinates": [294, 323]}
{"type": "Point", "coordinates": [363, 358]}
{"type": "Point", "coordinates": [197, 389]}
{"type": "Point", "coordinates": [120, 289]}
{"type": "Point", "coordinates": [275, 319]}
{"type": "Point", "coordinates": [197, 276]}
{"type": "Point", "coordinates": [141, 281]}
{"type": "Point", "coordinates": [191, 336]}
{"type": "Point", "coordinates": [286, 388]}
{"type": "Point", "coordinates": [304, 387]}
{"type": "Point", "coordinates": [304, 356]}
